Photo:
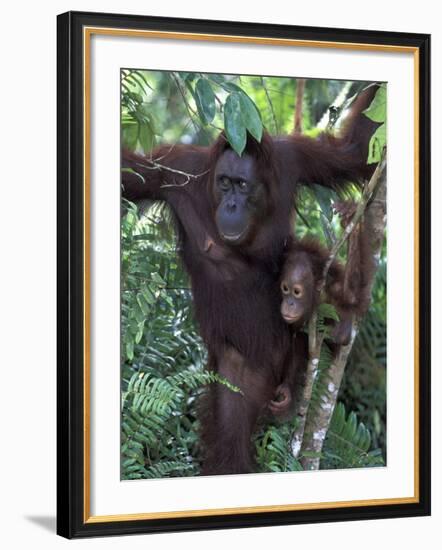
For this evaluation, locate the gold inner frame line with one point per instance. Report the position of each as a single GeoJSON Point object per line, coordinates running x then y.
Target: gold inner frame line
{"type": "Point", "coordinates": [87, 33]}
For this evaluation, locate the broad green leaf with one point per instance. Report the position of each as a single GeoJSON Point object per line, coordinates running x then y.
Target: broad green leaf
{"type": "Point", "coordinates": [143, 306]}
{"type": "Point", "coordinates": [130, 135]}
{"type": "Point", "coordinates": [189, 77]}
{"type": "Point", "coordinates": [251, 116]}
{"type": "Point", "coordinates": [135, 97]}
{"type": "Point", "coordinates": [365, 444]}
{"type": "Point", "coordinates": [231, 87]}
{"type": "Point", "coordinates": [377, 143]}
{"type": "Point", "coordinates": [233, 123]}
{"type": "Point", "coordinates": [360, 435]}
{"type": "Point", "coordinates": [377, 110]}
{"type": "Point", "coordinates": [139, 333]}
{"type": "Point", "coordinates": [339, 418]}
{"type": "Point", "coordinates": [377, 422]}
{"type": "Point", "coordinates": [147, 295]}
{"type": "Point", "coordinates": [350, 427]}
{"type": "Point", "coordinates": [156, 277]}
{"type": "Point", "coordinates": [217, 78]}
{"type": "Point", "coordinates": [205, 100]}
{"type": "Point", "coordinates": [146, 137]}
{"type": "Point", "coordinates": [138, 311]}
{"type": "Point", "coordinates": [188, 84]}
{"type": "Point", "coordinates": [139, 74]}
{"type": "Point", "coordinates": [144, 112]}
{"type": "Point", "coordinates": [130, 350]}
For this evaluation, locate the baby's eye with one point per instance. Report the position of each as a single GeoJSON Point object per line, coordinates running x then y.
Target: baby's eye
{"type": "Point", "coordinates": [243, 185]}
{"type": "Point", "coordinates": [297, 291]}
{"type": "Point", "coordinates": [284, 288]}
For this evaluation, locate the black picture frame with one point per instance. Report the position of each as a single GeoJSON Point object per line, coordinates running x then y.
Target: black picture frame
{"type": "Point", "coordinates": [72, 516]}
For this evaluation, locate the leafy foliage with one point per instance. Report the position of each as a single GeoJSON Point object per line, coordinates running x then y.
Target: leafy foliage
{"type": "Point", "coordinates": [163, 356]}
{"type": "Point", "coordinates": [273, 450]}
{"type": "Point", "coordinates": [348, 442]}
{"type": "Point", "coordinates": [201, 96]}
{"type": "Point", "coordinates": [377, 112]}
{"type": "Point", "coordinates": [364, 385]}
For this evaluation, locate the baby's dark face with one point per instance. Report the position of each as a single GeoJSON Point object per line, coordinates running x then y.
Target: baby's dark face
{"type": "Point", "coordinates": [297, 289]}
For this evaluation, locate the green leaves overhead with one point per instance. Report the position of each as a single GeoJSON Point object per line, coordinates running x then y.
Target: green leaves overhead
{"type": "Point", "coordinates": [146, 137]}
{"type": "Point", "coordinates": [212, 101]}
{"type": "Point", "coordinates": [377, 143]}
{"type": "Point", "coordinates": [130, 134]}
{"type": "Point", "coordinates": [234, 126]}
{"type": "Point", "coordinates": [138, 130]}
{"type": "Point", "coordinates": [205, 100]}
{"type": "Point", "coordinates": [377, 112]}
{"type": "Point", "coordinates": [240, 113]}
{"type": "Point", "coordinates": [240, 116]}
{"type": "Point", "coordinates": [251, 116]}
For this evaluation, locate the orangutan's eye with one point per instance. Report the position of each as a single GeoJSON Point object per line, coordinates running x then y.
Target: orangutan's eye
{"type": "Point", "coordinates": [284, 287]}
{"type": "Point", "coordinates": [297, 291]}
{"type": "Point", "coordinates": [224, 183]}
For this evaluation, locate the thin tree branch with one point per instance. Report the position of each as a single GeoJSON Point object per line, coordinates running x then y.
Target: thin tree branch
{"type": "Point", "coordinates": [275, 122]}
{"type": "Point", "coordinates": [338, 103]}
{"type": "Point", "coordinates": [173, 145]}
{"type": "Point", "coordinates": [314, 347]}
{"type": "Point", "coordinates": [153, 165]}
{"type": "Point", "coordinates": [312, 426]}
{"type": "Point", "coordinates": [360, 209]}
{"type": "Point", "coordinates": [190, 111]}
{"type": "Point", "coordinates": [193, 115]}
{"type": "Point", "coordinates": [317, 424]}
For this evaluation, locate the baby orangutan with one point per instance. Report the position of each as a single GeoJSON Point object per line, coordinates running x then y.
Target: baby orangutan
{"type": "Point", "coordinates": [300, 291]}
{"type": "Point", "coordinates": [347, 288]}
{"type": "Point", "coordinates": [300, 288]}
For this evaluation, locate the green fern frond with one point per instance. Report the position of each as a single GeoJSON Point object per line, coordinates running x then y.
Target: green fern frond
{"type": "Point", "coordinates": [273, 449]}
{"type": "Point", "coordinates": [348, 442]}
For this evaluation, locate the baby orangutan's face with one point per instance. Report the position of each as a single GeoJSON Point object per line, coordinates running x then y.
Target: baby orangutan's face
{"type": "Point", "coordinates": [297, 289]}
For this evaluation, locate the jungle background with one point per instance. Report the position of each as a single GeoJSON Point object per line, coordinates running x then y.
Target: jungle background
{"type": "Point", "coordinates": [163, 356]}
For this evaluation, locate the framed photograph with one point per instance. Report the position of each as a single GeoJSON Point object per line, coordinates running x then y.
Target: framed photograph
{"type": "Point", "coordinates": [243, 337]}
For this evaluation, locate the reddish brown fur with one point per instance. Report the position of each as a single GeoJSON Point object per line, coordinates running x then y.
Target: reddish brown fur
{"type": "Point", "coordinates": [347, 289]}
{"type": "Point", "coordinates": [235, 288]}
